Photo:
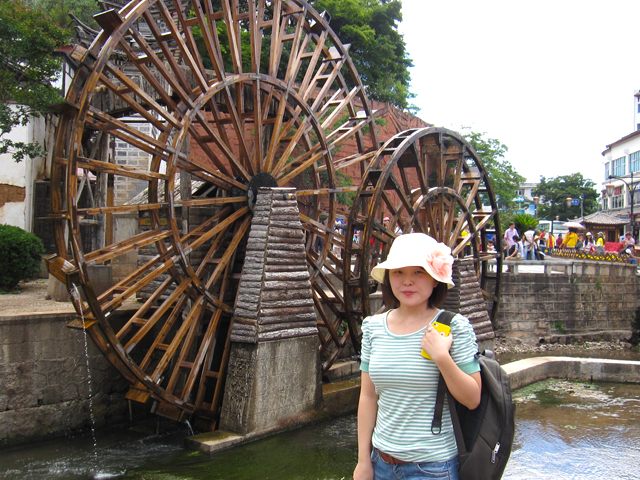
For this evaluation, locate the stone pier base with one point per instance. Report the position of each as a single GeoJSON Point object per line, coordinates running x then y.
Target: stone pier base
{"type": "Point", "coordinates": [272, 385]}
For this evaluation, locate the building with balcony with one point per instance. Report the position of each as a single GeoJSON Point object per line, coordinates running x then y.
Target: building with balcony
{"type": "Point", "coordinates": [620, 197]}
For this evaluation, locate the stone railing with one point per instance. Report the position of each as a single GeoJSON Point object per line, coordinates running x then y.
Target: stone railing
{"type": "Point", "coordinates": [568, 267]}
{"type": "Point", "coordinates": [582, 255]}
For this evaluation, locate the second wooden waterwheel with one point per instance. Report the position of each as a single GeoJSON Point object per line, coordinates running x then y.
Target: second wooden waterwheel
{"type": "Point", "coordinates": [427, 180]}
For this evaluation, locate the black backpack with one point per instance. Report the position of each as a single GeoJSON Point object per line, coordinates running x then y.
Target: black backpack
{"type": "Point", "coordinates": [484, 435]}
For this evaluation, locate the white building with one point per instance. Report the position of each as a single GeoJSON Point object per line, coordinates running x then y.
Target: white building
{"type": "Point", "coordinates": [622, 175]}
{"type": "Point", "coordinates": [636, 110]}
{"type": "Point", "coordinates": [524, 197]}
{"type": "Point", "coordinates": [17, 180]}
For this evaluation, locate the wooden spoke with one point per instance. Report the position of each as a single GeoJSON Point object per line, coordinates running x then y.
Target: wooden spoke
{"type": "Point", "coordinates": [138, 241]}
{"type": "Point", "coordinates": [126, 288]}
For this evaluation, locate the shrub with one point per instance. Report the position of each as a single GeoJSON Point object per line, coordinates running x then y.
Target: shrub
{"type": "Point", "coordinates": [525, 222]}
{"type": "Point", "coordinates": [20, 256]}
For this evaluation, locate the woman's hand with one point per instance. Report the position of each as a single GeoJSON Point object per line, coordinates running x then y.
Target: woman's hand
{"type": "Point", "coordinates": [363, 471]}
{"type": "Point", "coordinates": [436, 344]}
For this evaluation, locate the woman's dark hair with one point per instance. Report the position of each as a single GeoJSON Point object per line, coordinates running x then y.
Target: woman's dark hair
{"type": "Point", "coordinates": [437, 298]}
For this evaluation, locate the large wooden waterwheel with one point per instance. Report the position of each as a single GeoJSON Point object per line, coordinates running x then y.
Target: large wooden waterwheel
{"type": "Point", "coordinates": [237, 94]}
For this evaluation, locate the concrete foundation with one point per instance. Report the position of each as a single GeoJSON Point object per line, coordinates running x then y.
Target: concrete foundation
{"type": "Point", "coordinates": [56, 290]}
{"type": "Point", "coordinates": [272, 385]}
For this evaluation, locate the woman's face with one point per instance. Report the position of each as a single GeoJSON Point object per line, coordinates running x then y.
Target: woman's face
{"type": "Point", "coordinates": [412, 286]}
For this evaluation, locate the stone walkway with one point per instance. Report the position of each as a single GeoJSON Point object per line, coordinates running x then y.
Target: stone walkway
{"type": "Point", "coordinates": [32, 299]}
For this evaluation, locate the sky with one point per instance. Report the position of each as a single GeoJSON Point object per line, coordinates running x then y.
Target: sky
{"type": "Point", "coordinates": [553, 81]}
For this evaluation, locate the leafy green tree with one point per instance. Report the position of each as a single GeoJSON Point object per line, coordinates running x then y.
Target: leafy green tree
{"type": "Point", "coordinates": [553, 193]}
{"type": "Point", "coordinates": [60, 11]}
{"type": "Point", "coordinates": [377, 48]}
{"type": "Point", "coordinates": [504, 178]}
{"type": "Point", "coordinates": [27, 70]}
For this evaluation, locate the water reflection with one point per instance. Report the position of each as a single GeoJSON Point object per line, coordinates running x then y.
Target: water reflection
{"type": "Point", "coordinates": [580, 431]}
{"type": "Point", "coordinates": [564, 431]}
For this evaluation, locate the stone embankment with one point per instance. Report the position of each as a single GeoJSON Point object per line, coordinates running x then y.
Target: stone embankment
{"type": "Point", "coordinates": [586, 301]}
{"type": "Point", "coordinates": [503, 346]}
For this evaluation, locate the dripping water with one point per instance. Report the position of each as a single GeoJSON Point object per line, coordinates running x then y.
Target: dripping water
{"type": "Point", "coordinates": [76, 299]}
{"type": "Point", "coordinates": [189, 429]}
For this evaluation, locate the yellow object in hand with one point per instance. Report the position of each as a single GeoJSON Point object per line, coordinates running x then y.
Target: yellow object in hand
{"type": "Point", "coordinates": [443, 329]}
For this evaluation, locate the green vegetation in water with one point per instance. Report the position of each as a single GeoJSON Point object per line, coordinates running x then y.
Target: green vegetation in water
{"type": "Point", "coordinates": [553, 392]}
{"type": "Point", "coordinates": [326, 450]}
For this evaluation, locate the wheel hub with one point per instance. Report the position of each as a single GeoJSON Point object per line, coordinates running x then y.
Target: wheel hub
{"type": "Point", "coordinates": [260, 180]}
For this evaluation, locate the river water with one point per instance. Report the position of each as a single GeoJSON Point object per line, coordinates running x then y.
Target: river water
{"type": "Point", "coordinates": [565, 430]}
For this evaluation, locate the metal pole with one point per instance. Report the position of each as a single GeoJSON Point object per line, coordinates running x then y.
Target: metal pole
{"type": "Point", "coordinates": [633, 222]}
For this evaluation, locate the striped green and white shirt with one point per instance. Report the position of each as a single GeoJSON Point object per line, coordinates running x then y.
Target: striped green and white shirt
{"type": "Point", "coordinates": [406, 384]}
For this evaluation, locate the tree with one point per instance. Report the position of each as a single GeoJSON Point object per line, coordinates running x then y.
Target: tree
{"type": "Point", "coordinates": [523, 222]}
{"type": "Point", "coordinates": [27, 71]}
{"type": "Point", "coordinates": [553, 193]}
{"type": "Point", "coordinates": [60, 11]}
{"type": "Point", "coordinates": [377, 48]}
{"type": "Point", "coordinates": [504, 178]}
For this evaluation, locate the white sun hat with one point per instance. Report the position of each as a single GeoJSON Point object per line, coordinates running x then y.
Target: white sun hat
{"type": "Point", "coordinates": [418, 250]}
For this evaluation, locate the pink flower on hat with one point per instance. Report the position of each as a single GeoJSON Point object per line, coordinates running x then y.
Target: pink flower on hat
{"type": "Point", "coordinates": [441, 262]}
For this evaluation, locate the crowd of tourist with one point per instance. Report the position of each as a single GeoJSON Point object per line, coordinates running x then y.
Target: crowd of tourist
{"type": "Point", "coordinates": [533, 245]}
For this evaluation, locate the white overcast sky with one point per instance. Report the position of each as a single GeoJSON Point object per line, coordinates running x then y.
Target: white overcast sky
{"type": "Point", "coordinates": [552, 80]}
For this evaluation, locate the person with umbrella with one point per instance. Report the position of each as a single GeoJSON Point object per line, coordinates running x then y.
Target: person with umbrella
{"type": "Point", "coordinates": [570, 239]}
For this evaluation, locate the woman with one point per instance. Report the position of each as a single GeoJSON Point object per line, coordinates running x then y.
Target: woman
{"type": "Point", "coordinates": [570, 239]}
{"type": "Point", "coordinates": [589, 246]}
{"type": "Point", "coordinates": [600, 243]}
{"type": "Point", "coordinates": [398, 384]}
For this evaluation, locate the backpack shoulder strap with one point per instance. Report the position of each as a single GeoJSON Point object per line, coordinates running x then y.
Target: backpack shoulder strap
{"type": "Point", "coordinates": [445, 317]}
{"type": "Point", "coordinates": [436, 424]}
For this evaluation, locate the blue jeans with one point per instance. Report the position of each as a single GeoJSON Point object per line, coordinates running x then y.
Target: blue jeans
{"type": "Point", "coordinates": [529, 249]}
{"type": "Point", "coordinates": [413, 471]}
